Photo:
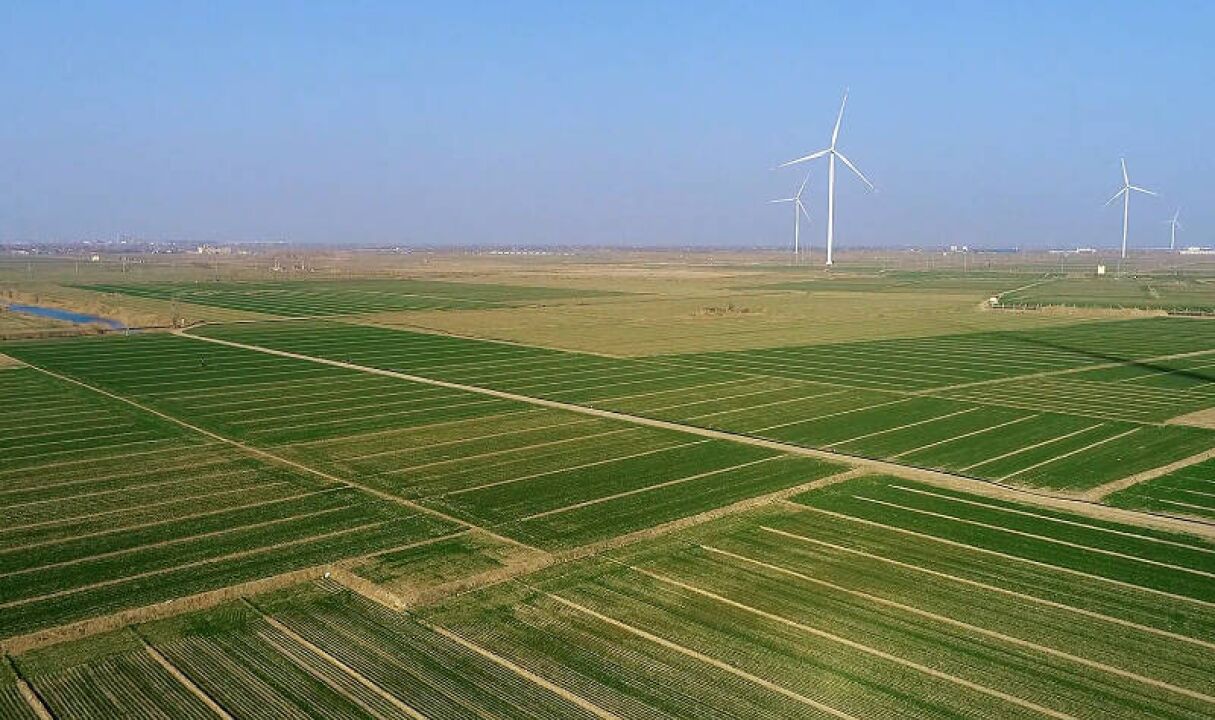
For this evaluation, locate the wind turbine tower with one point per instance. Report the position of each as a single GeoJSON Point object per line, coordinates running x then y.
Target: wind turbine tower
{"type": "Point", "coordinates": [1173, 226]}
{"type": "Point", "coordinates": [832, 153]}
{"type": "Point", "coordinates": [1125, 194]}
{"type": "Point", "coordinates": [798, 210]}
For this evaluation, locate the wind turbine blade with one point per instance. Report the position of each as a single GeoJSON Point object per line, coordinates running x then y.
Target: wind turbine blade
{"type": "Point", "coordinates": [852, 167]}
{"type": "Point", "coordinates": [1116, 196]}
{"type": "Point", "coordinates": [839, 118]}
{"type": "Point", "coordinates": [803, 209]}
{"type": "Point", "coordinates": [811, 156]}
{"type": "Point", "coordinates": [783, 200]}
{"type": "Point", "coordinates": [1126, 180]}
{"type": "Point", "coordinates": [1142, 190]}
{"type": "Point", "coordinates": [801, 189]}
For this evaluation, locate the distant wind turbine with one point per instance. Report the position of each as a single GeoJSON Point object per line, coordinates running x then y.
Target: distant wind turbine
{"type": "Point", "coordinates": [1173, 227]}
{"type": "Point", "coordinates": [798, 210]}
{"type": "Point", "coordinates": [832, 154]}
{"type": "Point", "coordinates": [1125, 194]}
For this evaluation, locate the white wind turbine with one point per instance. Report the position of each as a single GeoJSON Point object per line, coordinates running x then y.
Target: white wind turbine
{"type": "Point", "coordinates": [1174, 225]}
{"type": "Point", "coordinates": [832, 154]}
{"type": "Point", "coordinates": [798, 210]}
{"type": "Point", "coordinates": [1125, 194]}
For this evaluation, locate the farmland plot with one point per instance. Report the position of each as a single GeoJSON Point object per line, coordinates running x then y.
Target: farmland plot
{"type": "Point", "coordinates": [1188, 491]}
{"type": "Point", "coordinates": [314, 651]}
{"type": "Point", "coordinates": [438, 674]}
{"type": "Point", "coordinates": [538, 372]}
{"type": "Point", "coordinates": [109, 676]}
{"type": "Point", "coordinates": [923, 363]}
{"type": "Point", "coordinates": [558, 479]}
{"type": "Point", "coordinates": [958, 403]}
{"type": "Point", "coordinates": [461, 453]}
{"type": "Point", "coordinates": [12, 704]}
{"type": "Point", "coordinates": [1167, 293]}
{"type": "Point", "coordinates": [47, 421]}
{"type": "Point", "coordinates": [104, 508]}
{"type": "Point", "coordinates": [829, 608]}
{"type": "Point", "coordinates": [318, 298]}
{"type": "Point", "coordinates": [251, 396]}
{"type": "Point", "coordinates": [1193, 373]}
{"type": "Point", "coordinates": [1072, 394]}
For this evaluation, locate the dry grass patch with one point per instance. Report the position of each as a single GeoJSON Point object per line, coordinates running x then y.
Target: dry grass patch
{"type": "Point", "coordinates": [132, 311]}
{"type": "Point", "coordinates": [1202, 418]}
{"type": "Point", "coordinates": [677, 323]}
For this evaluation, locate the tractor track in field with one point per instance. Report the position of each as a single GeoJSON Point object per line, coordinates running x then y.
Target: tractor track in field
{"type": "Point", "coordinates": [1076, 504]}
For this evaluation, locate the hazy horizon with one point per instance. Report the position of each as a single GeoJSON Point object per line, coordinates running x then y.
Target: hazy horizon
{"type": "Point", "coordinates": [614, 125]}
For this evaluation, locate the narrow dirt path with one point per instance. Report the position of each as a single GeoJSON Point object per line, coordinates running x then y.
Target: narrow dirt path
{"type": "Point", "coordinates": [35, 703]}
{"type": "Point", "coordinates": [936, 477]}
{"type": "Point", "coordinates": [530, 563]}
{"type": "Point", "coordinates": [250, 552]}
{"type": "Point", "coordinates": [1101, 491]}
{"type": "Point", "coordinates": [180, 677]}
{"type": "Point", "coordinates": [19, 644]}
{"type": "Point", "coordinates": [1027, 286]}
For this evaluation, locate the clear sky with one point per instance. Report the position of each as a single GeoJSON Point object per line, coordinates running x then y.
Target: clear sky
{"type": "Point", "coordinates": [995, 124]}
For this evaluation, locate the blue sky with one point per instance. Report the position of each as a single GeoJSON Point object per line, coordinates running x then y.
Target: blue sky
{"type": "Point", "coordinates": [995, 124]}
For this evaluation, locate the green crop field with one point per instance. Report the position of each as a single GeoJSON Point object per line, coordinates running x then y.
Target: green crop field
{"type": "Point", "coordinates": [1149, 292]}
{"type": "Point", "coordinates": [530, 473]}
{"type": "Point", "coordinates": [299, 298]}
{"type": "Point", "coordinates": [1188, 491]}
{"type": "Point", "coordinates": [876, 597]}
{"type": "Point", "coordinates": [855, 601]}
{"type": "Point", "coordinates": [12, 704]}
{"type": "Point", "coordinates": [106, 508]}
{"type": "Point", "coordinates": [346, 517]}
{"type": "Point", "coordinates": [315, 651]}
{"type": "Point", "coordinates": [1052, 407]}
